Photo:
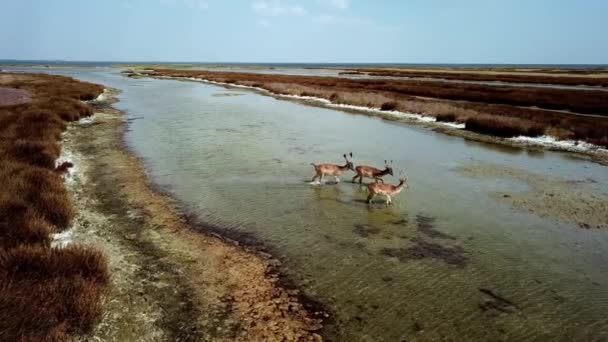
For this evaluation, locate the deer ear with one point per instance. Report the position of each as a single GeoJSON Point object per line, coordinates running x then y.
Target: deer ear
{"type": "Point", "coordinates": [351, 154]}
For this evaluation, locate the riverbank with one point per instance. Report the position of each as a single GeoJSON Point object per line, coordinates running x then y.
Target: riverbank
{"type": "Point", "coordinates": [47, 292]}
{"type": "Point", "coordinates": [486, 122]}
{"type": "Point", "coordinates": [170, 280]}
{"type": "Point", "coordinates": [569, 77]}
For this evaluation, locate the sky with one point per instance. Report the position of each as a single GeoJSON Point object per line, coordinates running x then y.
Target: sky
{"type": "Point", "coordinates": [307, 31]}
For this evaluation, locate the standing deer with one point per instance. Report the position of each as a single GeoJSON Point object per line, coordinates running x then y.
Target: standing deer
{"type": "Point", "coordinates": [332, 169]}
{"type": "Point", "coordinates": [372, 172]}
{"type": "Point", "coordinates": [387, 190]}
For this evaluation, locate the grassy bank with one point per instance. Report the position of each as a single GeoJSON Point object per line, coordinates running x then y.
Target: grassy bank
{"type": "Point", "coordinates": [499, 111]}
{"type": "Point", "coordinates": [45, 293]}
{"type": "Point", "coordinates": [571, 78]}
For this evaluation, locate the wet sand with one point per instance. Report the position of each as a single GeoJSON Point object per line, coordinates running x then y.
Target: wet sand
{"type": "Point", "coordinates": [565, 200]}
{"type": "Point", "coordinates": [170, 282]}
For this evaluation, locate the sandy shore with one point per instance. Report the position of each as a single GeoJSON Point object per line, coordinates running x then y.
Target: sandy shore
{"type": "Point", "coordinates": [169, 282]}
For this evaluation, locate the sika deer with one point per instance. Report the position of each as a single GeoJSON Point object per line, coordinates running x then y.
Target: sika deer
{"type": "Point", "coordinates": [332, 169]}
{"type": "Point", "coordinates": [372, 172]}
{"type": "Point", "coordinates": [387, 190]}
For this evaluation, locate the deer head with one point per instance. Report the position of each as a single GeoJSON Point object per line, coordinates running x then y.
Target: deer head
{"type": "Point", "coordinates": [349, 163]}
{"type": "Point", "coordinates": [389, 167]}
{"type": "Point", "coordinates": [403, 179]}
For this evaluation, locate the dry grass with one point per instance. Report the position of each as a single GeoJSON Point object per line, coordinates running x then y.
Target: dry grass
{"type": "Point", "coordinates": [351, 73]}
{"type": "Point", "coordinates": [580, 101]}
{"type": "Point", "coordinates": [501, 126]}
{"type": "Point", "coordinates": [49, 294]}
{"type": "Point", "coordinates": [557, 78]}
{"type": "Point", "coordinates": [11, 96]}
{"type": "Point", "coordinates": [391, 105]}
{"type": "Point", "coordinates": [45, 293]}
{"type": "Point", "coordinates": [40, 189]}
{"type": "Point", "coordinates": [516, 108]}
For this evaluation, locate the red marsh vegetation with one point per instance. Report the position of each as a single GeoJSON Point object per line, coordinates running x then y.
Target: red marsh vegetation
{"type": "Point", "coordinates": [499, 111]}
{"type": "Point", "coordinates": [572, 78]}
{"type": "Point", "coordinates": [46, 294]}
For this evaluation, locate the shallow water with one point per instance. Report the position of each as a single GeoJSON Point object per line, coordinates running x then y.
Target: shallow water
{"type": "Point", "coordinates": [411, 271]}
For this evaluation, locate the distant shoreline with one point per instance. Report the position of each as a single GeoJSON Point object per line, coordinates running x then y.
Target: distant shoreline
{"type": "Point", "coordinates": [56, 63]}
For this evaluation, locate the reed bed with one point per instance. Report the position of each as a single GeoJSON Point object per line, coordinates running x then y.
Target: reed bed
{"type": "Point", "coordinates": [572, 78]}
{"type": "Point", "coordinates": [46, 294]}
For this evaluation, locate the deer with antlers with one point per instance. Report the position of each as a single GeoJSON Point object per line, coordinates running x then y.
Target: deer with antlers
{"type": "Point", "coordinates": [387, 190]}
{"type": "Point", "coordinates": [372, 172]}
{"type": "Point", "coordinates": [332, 169]}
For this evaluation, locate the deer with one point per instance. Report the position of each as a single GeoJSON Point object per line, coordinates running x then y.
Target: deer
{"type": "Point", "coordinates": [332, 169]}
{"type": "Point", "coordinates": [372, 172]}
{"type": "Point", "coordinates": [387, 190]}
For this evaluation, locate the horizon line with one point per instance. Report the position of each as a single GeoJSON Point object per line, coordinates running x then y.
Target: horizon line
{"type": "Point", "coordinates": [285, 63]}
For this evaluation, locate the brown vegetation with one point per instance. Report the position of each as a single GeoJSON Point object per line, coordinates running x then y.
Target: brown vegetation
{"type": "Point", "coordinates": [579, 101]}
{"type": "Point", "coordinates": [49, 293]}
{"type": "Point", "coordinates": [351, 73]}
{"type": "Point", "coordinates": [391, 105]}
{"type": "Point", "coordinates": [533, 78]}
{"type": "Point", "coordinates": [10, 96]}
{"type": "Point", "coordinates": [521, 110]}
{"type": "Point", "coordinates": [501, 126]}
{"type": "Point", "coordinates": [45, 293]}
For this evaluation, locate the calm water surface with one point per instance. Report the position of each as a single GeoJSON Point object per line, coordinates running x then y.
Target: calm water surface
{"type": "Point", "coordinates": [243, 162]}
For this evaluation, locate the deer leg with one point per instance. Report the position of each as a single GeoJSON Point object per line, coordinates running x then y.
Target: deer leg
{"type": "Point", "coordinates": [360, 179]}
{"type": "Point", "coordinates": [337, 179]}
{"type": "Point", "coordinates": [370, 197]}
{"type": "Point", "coordinates": [389, 200]}
{"type": "Point", "coordinates": [354, 178]}
{"type": "Point", "coordinates": [380, 180]}
{"type": "Point", "coordinates": [314, 178]}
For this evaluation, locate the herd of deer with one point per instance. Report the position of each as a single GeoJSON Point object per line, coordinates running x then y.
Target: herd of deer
{"type": "Point", "coordinates": [374, 189]}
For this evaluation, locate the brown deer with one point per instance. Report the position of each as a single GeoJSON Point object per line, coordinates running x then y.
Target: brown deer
{"type": "Point", "coordinates": [372, 172]}
{"type": "Point", "coordinates": [387, 190]}
{"type": "Point", "coordinates": [332, 169]}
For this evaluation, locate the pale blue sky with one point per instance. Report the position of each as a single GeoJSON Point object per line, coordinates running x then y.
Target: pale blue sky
{"type": "Point", "coordinates": [407, 31]}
